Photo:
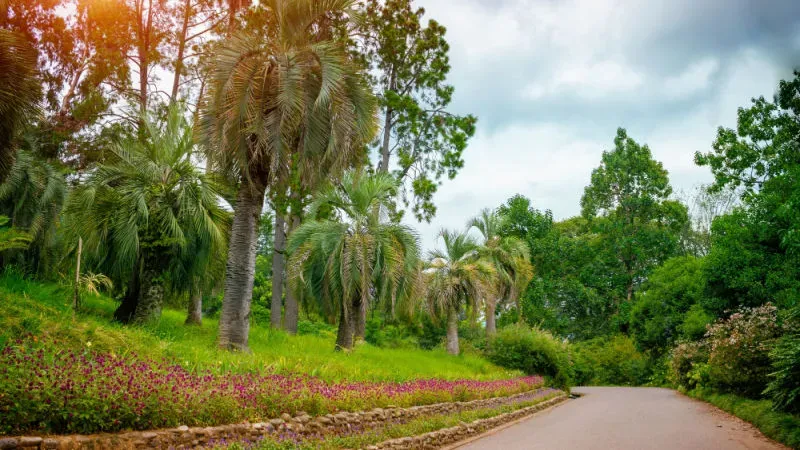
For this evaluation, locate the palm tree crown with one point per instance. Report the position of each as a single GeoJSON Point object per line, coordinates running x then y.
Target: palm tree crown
{"type": "Point", "coordinates": [510, 257]}
{"type": "Point", "coordinates": [140, 213]}
{"type": "Point", "coordinates": [357, 257]}
{"type": "Point", "coordinates": [457, 278]}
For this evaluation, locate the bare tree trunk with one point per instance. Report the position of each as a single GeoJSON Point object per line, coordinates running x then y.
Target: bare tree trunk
{"type": "Point", "coordinates": [148, 309]}
{"type": "Point", "coordinates": [292, 309]}
{"type": "Point", "coordinates": [344, 336]}
{"type": "Point", "coordinates": [387, 134]}
{"type": "Point", "coordinates": [278, 261]}
{"type": "Point", "coordinates": [76, 301]}
{"type": "Point", "coordinates": [234, 322]}
{"type": "Point", "coordinates": [195, 313]}
{"type": "Point", "coordinates": [452, 331]}
{"type": "Point", "coordinates": [491, 319]}
{"type": "Point", "coordinates": [176, 80]}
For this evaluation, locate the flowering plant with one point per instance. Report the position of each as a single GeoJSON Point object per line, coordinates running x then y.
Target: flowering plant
{"type": "Point", "coordinates": [46, 389]}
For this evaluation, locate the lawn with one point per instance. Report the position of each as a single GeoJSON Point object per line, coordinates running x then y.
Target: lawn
{"type": "Point", "coordinates": [30, 308]}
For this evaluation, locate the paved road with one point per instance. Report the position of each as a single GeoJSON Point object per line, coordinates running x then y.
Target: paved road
{"type": "Point", "coordinates": [628, 418]}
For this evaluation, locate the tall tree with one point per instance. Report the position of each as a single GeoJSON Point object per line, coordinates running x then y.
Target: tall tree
{"type": "Point", "coordinates": [628, 202]}
{"type": "Point", "coordinates": [755, 250]}
{"type": "Point", "coordinates": [511, 261]}
{"type": "Point", "coordinates": [420, 136]}
{"type": "Point", "coordinates": [343, 265]}
{"type": "Point", "coordinates": [271, 100]}
{"type": "Point", "coordinates": [457, 278]}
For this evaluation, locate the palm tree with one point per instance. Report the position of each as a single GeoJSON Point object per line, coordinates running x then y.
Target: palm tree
{"type": "Point", "coordinates": [148, 213]}
{"type": "Point", "coordinates": [32, 196]}
{"type": "Point", "coordinates": [511, 260]}
{"type": "Point", "coordinates": [288, 104]}
{"type": "Point", "coordinates": [20, 92]}
{"type": "Point", "coordinates": [343, 265]}
{"type": "Point", "coordinates": [457, 279]}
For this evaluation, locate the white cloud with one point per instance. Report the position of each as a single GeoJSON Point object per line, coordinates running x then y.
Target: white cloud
{"type": "Point", "coordinates": [550, 81]}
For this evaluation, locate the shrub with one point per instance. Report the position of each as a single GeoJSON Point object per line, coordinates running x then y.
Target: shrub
{"type": "Point", "coordinates": [784, 388]}
{"type": "Point", "coordinates": [739, 348]}
{"type": "Point", "coordinates": [695, 323]}
{"type": "Point", "coordinates": [385, 335]}
{"type": "Point", "coordinates": [685, 356]}
{"type": "Point", "coordinates": [532, 351]}
{"type": "Point", "coordinates": [610, 360]}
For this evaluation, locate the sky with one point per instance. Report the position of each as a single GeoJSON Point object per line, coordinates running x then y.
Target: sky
{"type": "Point", "coordinates": [551, 80]}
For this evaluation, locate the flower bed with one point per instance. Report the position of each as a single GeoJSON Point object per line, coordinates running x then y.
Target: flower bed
{"type": "Point", "coordinates": [46, 390]}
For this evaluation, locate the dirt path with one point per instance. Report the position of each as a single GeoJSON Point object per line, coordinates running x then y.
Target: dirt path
{"type": "Point", "coordinates": [628, 418]}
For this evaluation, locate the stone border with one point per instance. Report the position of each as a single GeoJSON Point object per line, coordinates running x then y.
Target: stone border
{"type": "Point", "coordinates": [300, 424]}
{"type": "Point", "coordinates": [440, 438]}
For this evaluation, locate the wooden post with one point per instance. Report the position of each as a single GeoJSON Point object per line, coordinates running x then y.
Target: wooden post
{"type": "Point", "coordinates": [76, 300]}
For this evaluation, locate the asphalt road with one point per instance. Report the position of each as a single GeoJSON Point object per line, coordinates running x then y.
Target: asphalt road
{"type": "Point", "coordinates": [628, 418]}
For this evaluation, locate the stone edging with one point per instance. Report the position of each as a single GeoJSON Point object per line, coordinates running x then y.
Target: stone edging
{"type": "Point", "coordinates": [301, 424]}
{"type": "Point", "coordinates": [445, 436]}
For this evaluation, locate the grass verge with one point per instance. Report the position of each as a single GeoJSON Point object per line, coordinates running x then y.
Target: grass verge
{"type": "Point", "coordinates": [782, 427]}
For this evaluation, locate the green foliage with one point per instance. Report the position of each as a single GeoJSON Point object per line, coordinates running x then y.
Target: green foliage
{"type": "Point", "coordinates": [389, 335]}
{"type": "Point", "coordinates": [659, 311]}
{"type": "Point", "coordinates": [342, 266]}
{"type": "Point", "coordinates": [695, 323]}
{"type": "Point", "coordinates": [628, 204]}
{"type": "Point", "coordinates": [780, 426]}
{"type": "Point", "coordinates": [784, 385]}
{"type": "Point", "coordinates": [521, 220]}
{"type": "Point", "coordinates": [754, 257]}
{"type": "Point", "coordinates": [32, 196]}
{"type": "Point", "coordinates": [457, 278]}
{"type": "Point", "coordinates": [45, 310]}
{"type": "Point", "coordinates": [611, 360]}
{"type": "Point", "coordinates": [739, 349]}
{"type": "Point", "coordinates": [410, 62]}
{"type": "Point", "coordinates": [20, 93]}
{"type": "Point", "coordinates": [532, 351]}
{"type": "Point", "coordinates": [149, 208]}
{"type": "Point", "coordinates": [12, 239]}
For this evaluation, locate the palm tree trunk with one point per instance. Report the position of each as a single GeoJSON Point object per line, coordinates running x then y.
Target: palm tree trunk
{"type": "Point", "coordinates": [278, 262]}
{"type": "Point", "coordinates": [360, 326]}
{"type": "Point", "coordinates": [292, 309]}
{"type": "Point", "coordinates": [452, 331]}
{"type": "Point", "coordinates": [124, 313]}
{"type": "Point", "coordinates": [195, 313]}
{"type": "Point", "coordinates": [491, 319]}
{"type": "Point", "coordinates": [344, 336]}
{"type": "Point", "coordinates": [234, 322]}
{"type": "Point", "coordinates": [148, 309]}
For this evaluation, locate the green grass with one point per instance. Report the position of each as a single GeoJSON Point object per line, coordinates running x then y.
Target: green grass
{"type": "Point", "coordinates": [42, 310]}
{"type": "Point", "coordinates": [782, 427]}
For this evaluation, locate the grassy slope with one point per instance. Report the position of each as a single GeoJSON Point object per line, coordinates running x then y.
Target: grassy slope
{"type": "Point", "coordinates": [28, 307]}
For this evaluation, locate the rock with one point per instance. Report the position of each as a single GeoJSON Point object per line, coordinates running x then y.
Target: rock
{"type": "Point", "coordinates": [30, 441]}
{"type": "Point", "coordinates": [8, 443]}
{"type": "Point", "coordinates": [286, 417]}
{"type": "Point", "coordinates": [324, 420]}
{"type": "Point", "coordinates": [149, 435]}
{"type": "Point", "coordinates": [50, 443]}
{"type": "Point", "coordinates": [183, 428]}
{"type": "Point", "coordinates": [276, 422]}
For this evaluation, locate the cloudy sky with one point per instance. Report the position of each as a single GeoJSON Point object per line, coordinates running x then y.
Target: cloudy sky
{"type": "Point", "coordinates": [551, 80]}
